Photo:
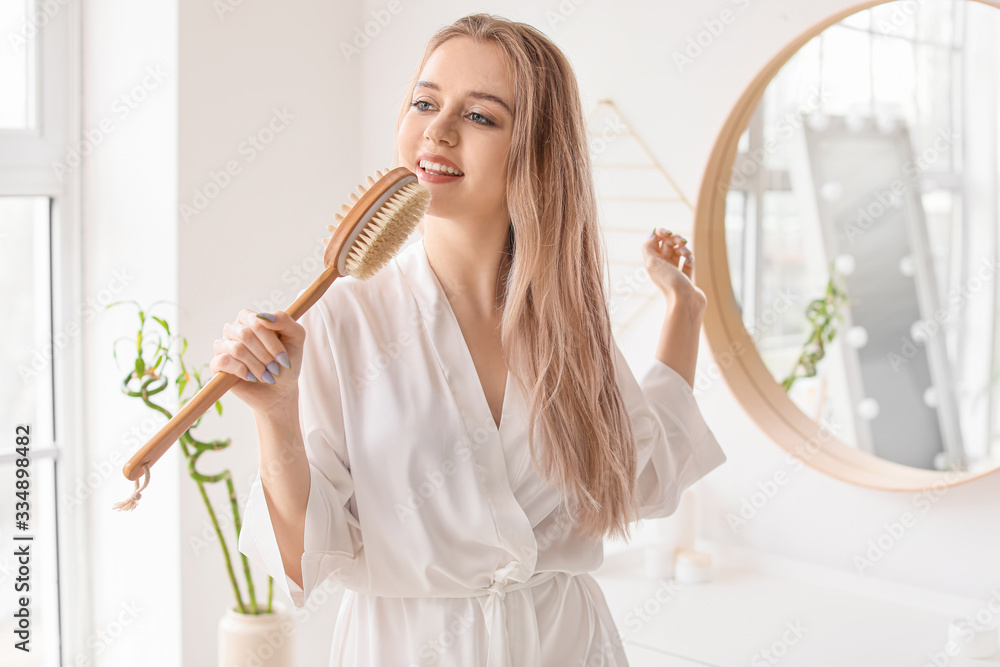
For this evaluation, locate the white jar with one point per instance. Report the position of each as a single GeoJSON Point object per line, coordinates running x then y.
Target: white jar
{"type": "Point", "coordinates": [969, 640]}
{"type": "Point", "coordinates": [692, 567]}
{"type": "Point", "coordinates": [261, 640]}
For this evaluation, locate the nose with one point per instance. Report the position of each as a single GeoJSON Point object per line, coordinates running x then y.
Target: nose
{"type": "Point", "coordinates": [441, 130]}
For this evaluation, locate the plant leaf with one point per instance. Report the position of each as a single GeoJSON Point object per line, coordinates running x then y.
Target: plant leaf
{"type": "Point", "coordinates": [118, 303]}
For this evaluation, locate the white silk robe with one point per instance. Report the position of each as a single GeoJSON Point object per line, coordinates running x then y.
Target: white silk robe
{"type": "Point", "coordinates": [451, 549]}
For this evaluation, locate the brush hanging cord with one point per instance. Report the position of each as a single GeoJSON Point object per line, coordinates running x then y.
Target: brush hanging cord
{"type": "Point", "coordinates": [133, 500]}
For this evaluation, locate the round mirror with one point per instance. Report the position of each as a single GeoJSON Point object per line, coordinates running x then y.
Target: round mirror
{"type": "Point", "coordinates": [851, 213]}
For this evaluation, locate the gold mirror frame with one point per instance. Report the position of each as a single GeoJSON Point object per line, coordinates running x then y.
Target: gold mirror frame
{"type": "Point", "coordinates": [735, 352]}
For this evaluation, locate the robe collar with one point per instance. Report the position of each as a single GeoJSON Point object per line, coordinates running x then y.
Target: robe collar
{"type": "Point", "coordinates": [449, 341]}
{"type": "Point", "coordinates": [508, 444]}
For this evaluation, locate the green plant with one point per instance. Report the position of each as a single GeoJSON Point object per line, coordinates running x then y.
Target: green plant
{"type": "Point", "coordinates": [146, 378]}
{"type": "Point", "coordinates": [822, 313]}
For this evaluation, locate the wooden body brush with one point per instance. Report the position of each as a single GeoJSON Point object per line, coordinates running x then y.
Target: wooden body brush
{"type": "Point", "coordinates": [372, 229]}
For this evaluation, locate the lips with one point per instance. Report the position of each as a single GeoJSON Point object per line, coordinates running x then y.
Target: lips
{"type": "Point", "coordinates": [431, 164]}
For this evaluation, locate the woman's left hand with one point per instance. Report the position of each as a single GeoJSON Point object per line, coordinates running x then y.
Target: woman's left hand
{"type": "Point", "coordinates": [662, 254]}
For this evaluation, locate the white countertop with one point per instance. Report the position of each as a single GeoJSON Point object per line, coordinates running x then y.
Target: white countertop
{"type": "Point", "coordinates": [741, 613]}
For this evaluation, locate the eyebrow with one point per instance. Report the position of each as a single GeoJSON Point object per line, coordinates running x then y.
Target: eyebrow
{"type": "Point", "coordinates": [474, 94]}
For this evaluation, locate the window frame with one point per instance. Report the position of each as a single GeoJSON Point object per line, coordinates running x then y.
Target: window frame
{"type": "Point", "coordinates": [27, 168]}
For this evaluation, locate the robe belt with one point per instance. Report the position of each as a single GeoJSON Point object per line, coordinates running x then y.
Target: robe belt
{"type": "Point", "coordinates": [525, 650]}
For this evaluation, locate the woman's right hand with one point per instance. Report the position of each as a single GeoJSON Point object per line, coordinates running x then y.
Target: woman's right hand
{"type": "Point", "coordinates": [268, 366]}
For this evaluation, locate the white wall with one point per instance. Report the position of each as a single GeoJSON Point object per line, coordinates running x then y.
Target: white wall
{"type": "Point", "coordinates": [625, 51]}
{"type": "Point", "coordinates": [273, 71]}
{"type": "Point", "coordinates": [129, 184]}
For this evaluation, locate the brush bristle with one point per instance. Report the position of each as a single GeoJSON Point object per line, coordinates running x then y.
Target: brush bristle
{"type": "Point", "coordinates": [387, 230]}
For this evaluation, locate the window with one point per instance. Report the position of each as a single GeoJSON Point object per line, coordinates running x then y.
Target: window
{"type": "Point", "coordinates": [36, 222]}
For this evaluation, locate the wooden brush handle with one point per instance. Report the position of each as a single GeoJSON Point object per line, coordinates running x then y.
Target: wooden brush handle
{"type": "Point", "coordinates": [216, 388]}
{"type": "Point", "coordinates": [345, 235]}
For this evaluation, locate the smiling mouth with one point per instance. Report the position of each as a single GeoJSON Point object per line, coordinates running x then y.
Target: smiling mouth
{"type": "Point", "coordinates": [439, 169]}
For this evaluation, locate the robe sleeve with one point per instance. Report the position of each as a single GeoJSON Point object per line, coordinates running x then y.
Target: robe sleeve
{"type": "Point", "coordinates": [675, 447]}
{"type": "Point", "coordinates": [332, 533]}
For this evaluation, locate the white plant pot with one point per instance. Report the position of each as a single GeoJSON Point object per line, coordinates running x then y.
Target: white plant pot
{"type": "Point", "coordinates": [262, 640]}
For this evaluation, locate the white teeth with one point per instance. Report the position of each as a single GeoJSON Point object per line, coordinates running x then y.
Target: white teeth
{"type": "Point", "coordinates": [434, 166]}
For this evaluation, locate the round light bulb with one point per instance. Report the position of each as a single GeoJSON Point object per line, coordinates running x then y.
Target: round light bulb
{"type": "Point", "coordinates": [868, 409]}
{"type": "Point", "coordinates": [854, 121]}
{"type": "Point", "coordinates": [831, 191]}
{"type": "Point", "coordinates": [818, 121]}
{"type": "Point", "coordinates": [885, 123]}
{"type": "Point", "coordinates": [856, 336]}
{"type": "Point", "coordinates": [930, 397]}
{"type": "Point", "coordinates": [844, 264]}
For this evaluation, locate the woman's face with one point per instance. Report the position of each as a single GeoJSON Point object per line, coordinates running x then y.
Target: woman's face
{"type": "Point", "coordinates": [461, 116]}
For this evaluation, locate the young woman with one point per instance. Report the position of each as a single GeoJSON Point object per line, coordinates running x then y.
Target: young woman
{"type": "Point", "coordinates": [450, 440]}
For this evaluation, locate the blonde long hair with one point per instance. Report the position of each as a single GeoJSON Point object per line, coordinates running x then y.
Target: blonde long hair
{"type": "Point", "coordinates": [556, 330]}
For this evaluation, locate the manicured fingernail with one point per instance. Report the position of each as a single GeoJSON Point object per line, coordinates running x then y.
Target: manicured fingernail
{"type": "Point", "coordinates": [283, 360]}
{"type": "Point", "coordinates": [652, 233]}
{"type": "Point", "coordinates": [267, 377]}
{"type": "Point", "coordinates": [250, 377]}
{"type": "Point", "coordinates": [274, 368]}
{"type": "Point", "coordinates": [683, 240]}
{"type": "Point", "coordinates": [267, 316]}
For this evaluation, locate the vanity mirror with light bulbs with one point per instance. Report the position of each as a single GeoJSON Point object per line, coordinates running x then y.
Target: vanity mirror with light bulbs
{"type": "Point", "coordinates": [849, 218]}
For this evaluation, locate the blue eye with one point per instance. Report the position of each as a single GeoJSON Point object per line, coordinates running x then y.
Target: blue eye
{"type": "Point", "coordinates": [418, 103]}
{"type": "Point", "coordinates": [484, 121]}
